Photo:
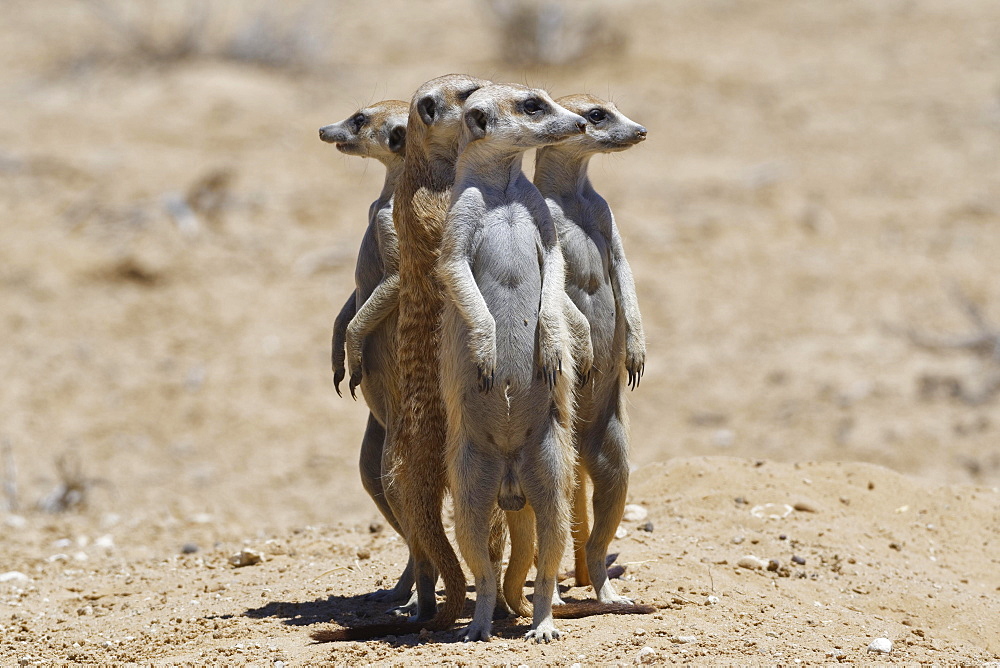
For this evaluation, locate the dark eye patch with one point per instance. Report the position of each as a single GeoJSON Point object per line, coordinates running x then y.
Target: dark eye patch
{"type": "Point", "coordinates": [596, 115]}
{"type": "Point", "coordinates": [358, 121]}
{"type": "Point", "coordinates": [533, 106]}
{"type": "Point", "coordinates": [464, 95]}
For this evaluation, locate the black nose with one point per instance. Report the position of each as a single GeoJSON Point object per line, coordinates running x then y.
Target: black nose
{"type": "Point", "coordinates": [640, 132]}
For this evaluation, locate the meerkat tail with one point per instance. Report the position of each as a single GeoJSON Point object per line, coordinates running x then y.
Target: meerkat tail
{"type": "Point", "coordinates": [590, 609]}
{"type": "Point", "coordinates": [521, 525]}
{"type": "Point", "coordinates": [580, 528]}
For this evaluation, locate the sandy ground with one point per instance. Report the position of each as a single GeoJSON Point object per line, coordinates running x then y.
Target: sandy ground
{"type": "Point", "coordinates": [818, 179]}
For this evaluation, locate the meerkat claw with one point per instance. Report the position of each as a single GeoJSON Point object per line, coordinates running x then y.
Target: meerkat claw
{"type": "Point", "coordinates": [338, 376]}
{"type": "Point", "coordinates": [355, 381]}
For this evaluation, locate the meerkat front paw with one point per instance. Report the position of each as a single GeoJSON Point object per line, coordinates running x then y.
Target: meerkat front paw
{"type": "Point", "coordinates": [484, 356]}
{"type": "Point", "coordinates": [354, 364]}
{"type": "Point", "coordinates": [635, 360]}
{"type": "Point", "coordinates": [550, 359]}
{"type": "Point", "coordinates": [338, 375]}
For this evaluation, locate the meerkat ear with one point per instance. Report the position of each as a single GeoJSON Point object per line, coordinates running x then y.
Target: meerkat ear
{"type": "Point", "coordinates": [427, 108]}
{"type": "Point", "coordinates": [397, 138]}
{"type": "Point", "coordinates": [478, 122]}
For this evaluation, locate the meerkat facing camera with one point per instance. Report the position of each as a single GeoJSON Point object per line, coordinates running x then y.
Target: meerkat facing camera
{"type": "Point", "coordinates": [504, 334]}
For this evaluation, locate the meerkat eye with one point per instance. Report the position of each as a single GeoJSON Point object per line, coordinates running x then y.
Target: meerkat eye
{"type": "Point", "coordinates": [359, 120]}
{"type": "Point", "coordinates": [533, 106]}
{"type": "Point", "coordinates": [596, 115]}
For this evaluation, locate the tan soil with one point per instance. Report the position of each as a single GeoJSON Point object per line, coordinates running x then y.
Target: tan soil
{"type": "Point", "coordinates": [818, 176]}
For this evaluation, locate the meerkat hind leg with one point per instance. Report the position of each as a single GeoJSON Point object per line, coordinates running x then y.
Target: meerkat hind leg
{"type": "Point", "coordinates": [371, 478]}
{"type": "Point", "coordinates": [548, 490]}
{"type": "Point", "coordinates": [607, 465]}
{"type": "Point", "coordinates": [580, 527]}
{"type": "Point", "coordinates": [475, 483]}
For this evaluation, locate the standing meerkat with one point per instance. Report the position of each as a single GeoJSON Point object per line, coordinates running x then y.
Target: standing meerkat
{"type": "Point", "coordinates": [599, 281]}
{"type": "Point", "coordinates": [413, 467]}
{"type": "Point", "coordinates": [366, 325]}
{"type": "Point", "coordinates": [505, 343]}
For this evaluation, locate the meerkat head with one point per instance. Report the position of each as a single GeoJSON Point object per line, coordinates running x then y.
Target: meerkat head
{"type": "Point", "coordinates": [377, 131]}
{"type": "Point", "coordinates": [608, 130]}
{"type": "Point", "coordinates": [436, 109]}
{"type": "Point", "coordinates": [518, 117]}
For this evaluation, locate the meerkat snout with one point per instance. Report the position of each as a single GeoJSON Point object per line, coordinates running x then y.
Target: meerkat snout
{"type": "Point", "coordinates": [640, 133]}
{"type": "Point", "coordinates": [333, 134]}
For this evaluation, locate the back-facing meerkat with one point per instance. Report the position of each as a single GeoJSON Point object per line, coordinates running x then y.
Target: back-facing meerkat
{"type": "Point", "coordinates": [366, 324]}
{"type": "Point", "coordinates": [599, 281]}
{"type": "Point", "coordinates": [505, 342]}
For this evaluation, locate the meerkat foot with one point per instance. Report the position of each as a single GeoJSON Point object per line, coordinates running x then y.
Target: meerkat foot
{"type": "Point", "coordinates": [545, 632]}
{"type": "Point", "coordinates": [397, 593]}
{"type": "Point", "coordinates": [607, 594]}
{"type": "Point", "coordinates": [408, 609]}
{"type": "Point", "coordinates": [477, 631]}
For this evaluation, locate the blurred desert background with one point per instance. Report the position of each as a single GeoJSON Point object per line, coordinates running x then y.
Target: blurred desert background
{"type": "Point", "coordinates": [813, 225]}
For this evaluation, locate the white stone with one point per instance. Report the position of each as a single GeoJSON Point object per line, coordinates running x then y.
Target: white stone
{"type": "Point", "coordinates": [646, 655]}
{"type": "Point", "coordinates": [772, 511]}
{"type": "Point", "coordinates": [712, 600]}
{"type": "Point", "coordinates": [634, 513]}
{"type": "Point", "coordinates": [880, 646]}
{"type": "Point", "coordinates": [751, 562]}
{"type": "Point", "coordinates": [621, 532]}
{"type": "Point", "coordinates": [13, 576]}
{"type": "Point", "coordinates": [246, 557]}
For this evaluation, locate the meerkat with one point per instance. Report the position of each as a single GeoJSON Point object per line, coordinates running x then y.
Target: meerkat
{"type": "Point", "coordinates": [413, 459]}
{"type": "Point", "coordinates": [505, 343]}
{"type": "Point", "coordinates": [366, 325]}
{"type": "Point", "coordinates": [599, 281]}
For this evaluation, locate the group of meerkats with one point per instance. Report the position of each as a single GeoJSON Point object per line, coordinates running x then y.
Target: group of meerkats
{"type": "Point", "coordinates": [493, 331]}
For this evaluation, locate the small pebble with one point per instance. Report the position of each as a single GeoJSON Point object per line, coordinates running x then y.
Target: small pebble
{"type": "Point", "coordinates": [246, 557]}
{"type": "Point", "coordinates": [189, 548]}
{"type": "Point", "coordinates": [738, 539]}
{"type": "Point", "coordinates": [279, 664]}
{"type": "Point", "coordinates": [880, 646]}
{"type": "Point", "coordinates": [634, 513]}
{"type": "Point", "coordinates": [805, 506]}
{"type": "Point", "coordinates": [773, 565]}
{"type": "Point", "coordinates": [771, 511]}
{"type": "Point", "coordinates": [751, 562]}
{"type": "Point", "coordinates": [576, 665]}
{"type": "Point", "coordinates": [712, 600]}
{"type": "Point", "coordinates": [364, 553]}
{"type": "Point", "coordinates": [801, 561]}
{"type": "Point", "coordinates": [621, 532]}
{"type": "Point", "coordinates": [13, 576]}
{"type": "Point", "coordinates": [723, 438]}
{"type": "Point", "coordinates": [640, 632]}
{"type": "Point", "coordinates": [646, 526]}
{"type": "Point", "coordinates": [646, 655]}
{"type": "Point", "coordinates": [684, 639]}
{"type": "Point", "coordinates": [836, 654]}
